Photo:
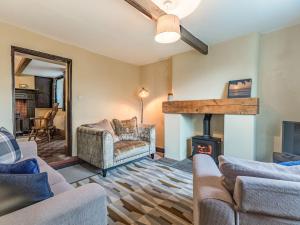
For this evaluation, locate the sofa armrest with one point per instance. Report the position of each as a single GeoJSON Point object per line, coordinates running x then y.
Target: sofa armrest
{"type": "Point", "coordinates": [28, 148]}
{"type": "Point", "coordinates": [213, 204]}
{"type": "Point", "coordinates": [95, 146]}
{"type": "Point", "coordinates": [84, 205]}
{"type": "Point", "coordinates": [267, 196]}
{"type": "Point", "coordinates": [148, 133]}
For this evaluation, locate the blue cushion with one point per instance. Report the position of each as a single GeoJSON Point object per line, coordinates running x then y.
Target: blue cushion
{"type": "Point", "coordinates": [21, 190]}
{"type": "Point", "coordinates": [28, 166]}
{"type": "Point", "coordinates": [9, 149]}
{"type": "Point", "coordinates": [291, 163]}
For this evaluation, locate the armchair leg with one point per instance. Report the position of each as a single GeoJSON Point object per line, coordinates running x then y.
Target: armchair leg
{"type": "Point", "coordinates": [31, 134]}
{"type": "Point", "coordinates": [49, 135]}
{"type": "Point", "coordinates": [104, 172]}
{"type": "Point", "coordinates": [35, 134]}
{"type": "Point", "coordinates": [152, 156]}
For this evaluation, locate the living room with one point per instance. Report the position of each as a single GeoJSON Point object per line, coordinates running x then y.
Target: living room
{"type": "Point", "coordinates": [138, 107]}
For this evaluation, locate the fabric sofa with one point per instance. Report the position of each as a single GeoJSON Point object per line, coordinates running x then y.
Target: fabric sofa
{"type": "Point", "coordinates": [255, 201]}
{"type": "Point", "coordinates": [97, 146]}
{"type": "Point", "coordinates": [69, 206]}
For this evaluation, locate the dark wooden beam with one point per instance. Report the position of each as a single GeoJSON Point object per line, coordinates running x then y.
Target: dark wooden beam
{"type": "Point", "coordinates": [22, 65]}
{"type": "Point", "coordinates": [190, 39]}
{"type": "Point", "coordinates": [149, 9]}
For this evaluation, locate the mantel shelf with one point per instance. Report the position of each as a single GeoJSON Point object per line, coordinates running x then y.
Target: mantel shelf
{"type": "Point", "coordinates": [231, 106]}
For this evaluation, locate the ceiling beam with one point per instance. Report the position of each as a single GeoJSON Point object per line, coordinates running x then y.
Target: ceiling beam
{"type": "Point", "coordinates": [190, 39]}
{"type": "Point", "coordinates": [22, 65]}
{"type": "Point", "coordinates": [152, 11]}
{"type": "Point", "coordinates": [147, 7]}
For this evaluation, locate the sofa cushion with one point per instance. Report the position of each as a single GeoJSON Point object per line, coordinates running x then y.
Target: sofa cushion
{"type": "Point", "coordinates": [20, 190]}
{"type": "Point", "coordinates": [104, 125]}
{"type": "Point", "coordinates": [28, 166]}
{"type": "Point", "coordinates": [127, 130]}
{"type": "Point", "coordinates": [126, 149]}
{"type": "Point", "coordinates": [9, 149]}
{"type": "Point", "coordinates": [232, 167]}
{"type": "Point", "coordinates": [290, 163]}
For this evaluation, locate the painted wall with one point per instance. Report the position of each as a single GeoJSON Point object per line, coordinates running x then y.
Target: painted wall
{"type": "Point", "coordinates": [196, 76]}
{"type": "Point", "coordinates": [102, 87]}
{"type": "Point", "coordinates": [279, 87]}
{"type": "Point", "coordinates": [157, 79]}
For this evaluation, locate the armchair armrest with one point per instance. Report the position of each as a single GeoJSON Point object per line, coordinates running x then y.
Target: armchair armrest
{"type": "Point", "coordinates": [267, 196]}
{"type": "Point", "coordinates": [95, 146]}
{"type": "Point", "coordinates": [148, 133]}
{"type": "Point", "coordinates": [84, 205]}
{"type": "Point", "coordinates": [37, 118]}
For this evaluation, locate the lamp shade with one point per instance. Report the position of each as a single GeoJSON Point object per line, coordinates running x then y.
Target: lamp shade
{"type": "Point", "coordinates": [168, 29]}
{"type": "Point", "coordinates": [143, 93]}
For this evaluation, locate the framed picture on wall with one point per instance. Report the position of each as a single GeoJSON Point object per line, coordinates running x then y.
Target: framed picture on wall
{"type": "Point", "coordinates": [240, 88]}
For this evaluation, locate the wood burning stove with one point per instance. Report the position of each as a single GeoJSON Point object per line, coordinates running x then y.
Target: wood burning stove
{"type": "Point", "coordinates": [206, 144]}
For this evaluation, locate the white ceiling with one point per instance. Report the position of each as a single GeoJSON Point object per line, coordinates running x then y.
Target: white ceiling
{"type": "Point", "coordinates": [115, 29]}
{"type": "Point", "coordinates": [44, 69]}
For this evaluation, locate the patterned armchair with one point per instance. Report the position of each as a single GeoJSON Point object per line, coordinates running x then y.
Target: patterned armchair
{"type": "Point", "coordinates": [99, 147]}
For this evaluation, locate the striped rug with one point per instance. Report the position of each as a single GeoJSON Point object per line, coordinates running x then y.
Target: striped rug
{"type": "Point", "coordinates": [146, 192]}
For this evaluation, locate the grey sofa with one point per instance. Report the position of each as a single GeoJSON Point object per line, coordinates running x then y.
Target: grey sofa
{"type": "Point", "coordinates": [69, 206]}
{"type": "Point", "coordinates": [255, 201]}
{"type": "Point", "coordinates": [97, 147]}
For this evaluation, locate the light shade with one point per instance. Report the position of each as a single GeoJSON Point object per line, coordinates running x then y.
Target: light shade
{"type": "Point", "coordinates": [180, 8]}
{"type": "Point", "coordinates": [168, 29]}
{"type": "Point", "coordinates": [143, 93]}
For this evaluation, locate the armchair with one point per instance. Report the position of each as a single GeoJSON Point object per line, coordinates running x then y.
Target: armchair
{"type": "Point", "coordinates": [44, 125]}
{"type": "Point", "coordinates": [97, 147]}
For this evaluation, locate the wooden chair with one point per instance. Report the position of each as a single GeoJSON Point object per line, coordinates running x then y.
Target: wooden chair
{"type": "Point", "coordinates": [44, 126]}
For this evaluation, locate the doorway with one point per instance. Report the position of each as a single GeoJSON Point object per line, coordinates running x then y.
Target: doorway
{"type": "Point", "coordinates": [42, 109]}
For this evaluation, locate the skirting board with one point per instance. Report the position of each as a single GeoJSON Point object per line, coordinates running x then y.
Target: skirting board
{"type": "Point", "coordinates": [158, 149]}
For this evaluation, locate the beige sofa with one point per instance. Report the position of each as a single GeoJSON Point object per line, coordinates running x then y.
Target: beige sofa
{"type": "Point", "coordinates": [255, 201]}
{"type": "Point", "coordinates": [97, 147]}
{"type": "Point", "coordinates": [69, 206]}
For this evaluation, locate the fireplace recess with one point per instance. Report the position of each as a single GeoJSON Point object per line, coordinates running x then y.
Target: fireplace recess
{"type": "Point", "coordinates": [206, 144]}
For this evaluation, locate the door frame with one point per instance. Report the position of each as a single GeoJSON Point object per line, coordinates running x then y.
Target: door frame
{"type": "Point", "coordinates": [14, 50]}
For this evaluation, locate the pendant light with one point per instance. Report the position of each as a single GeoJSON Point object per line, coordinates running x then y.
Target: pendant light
{"type": "Point", "coordinates": [168, 29]}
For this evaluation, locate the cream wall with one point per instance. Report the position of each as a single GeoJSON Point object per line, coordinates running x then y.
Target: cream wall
{"type": "Point", "coordinates": [157, 79]}
{"type": "Point", "coordinates": [279, 87]}
{"type": "Point", "coordinates": [102, 87]}
{"type": "Point", "coordinates": [196, 76]}
{"type": "Point", "coordinates": [29, 80]}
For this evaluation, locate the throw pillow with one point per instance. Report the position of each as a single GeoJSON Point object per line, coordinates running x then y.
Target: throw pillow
{"type": "Point", "coordinates": [232, 167]}
{"type": "Point", "coordinates": [21, 190]}
{"type": "Point", "coordinates": [28, 166]}
{"type": "Point", "coordinates": [104, 125]}
{"type": "Point", "coordinates": [127, 130]}
{"type": "Point", "coordinates": [9, 149]}
{"type": "Point", "coordinates": [290, 163]}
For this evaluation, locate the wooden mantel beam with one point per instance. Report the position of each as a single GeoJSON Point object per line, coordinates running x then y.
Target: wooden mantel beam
{"type": "Point", "coordinates": [233, 106]}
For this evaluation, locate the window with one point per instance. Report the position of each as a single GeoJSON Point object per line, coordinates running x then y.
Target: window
{"type": "Point", "coordinates": [59, 92]}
